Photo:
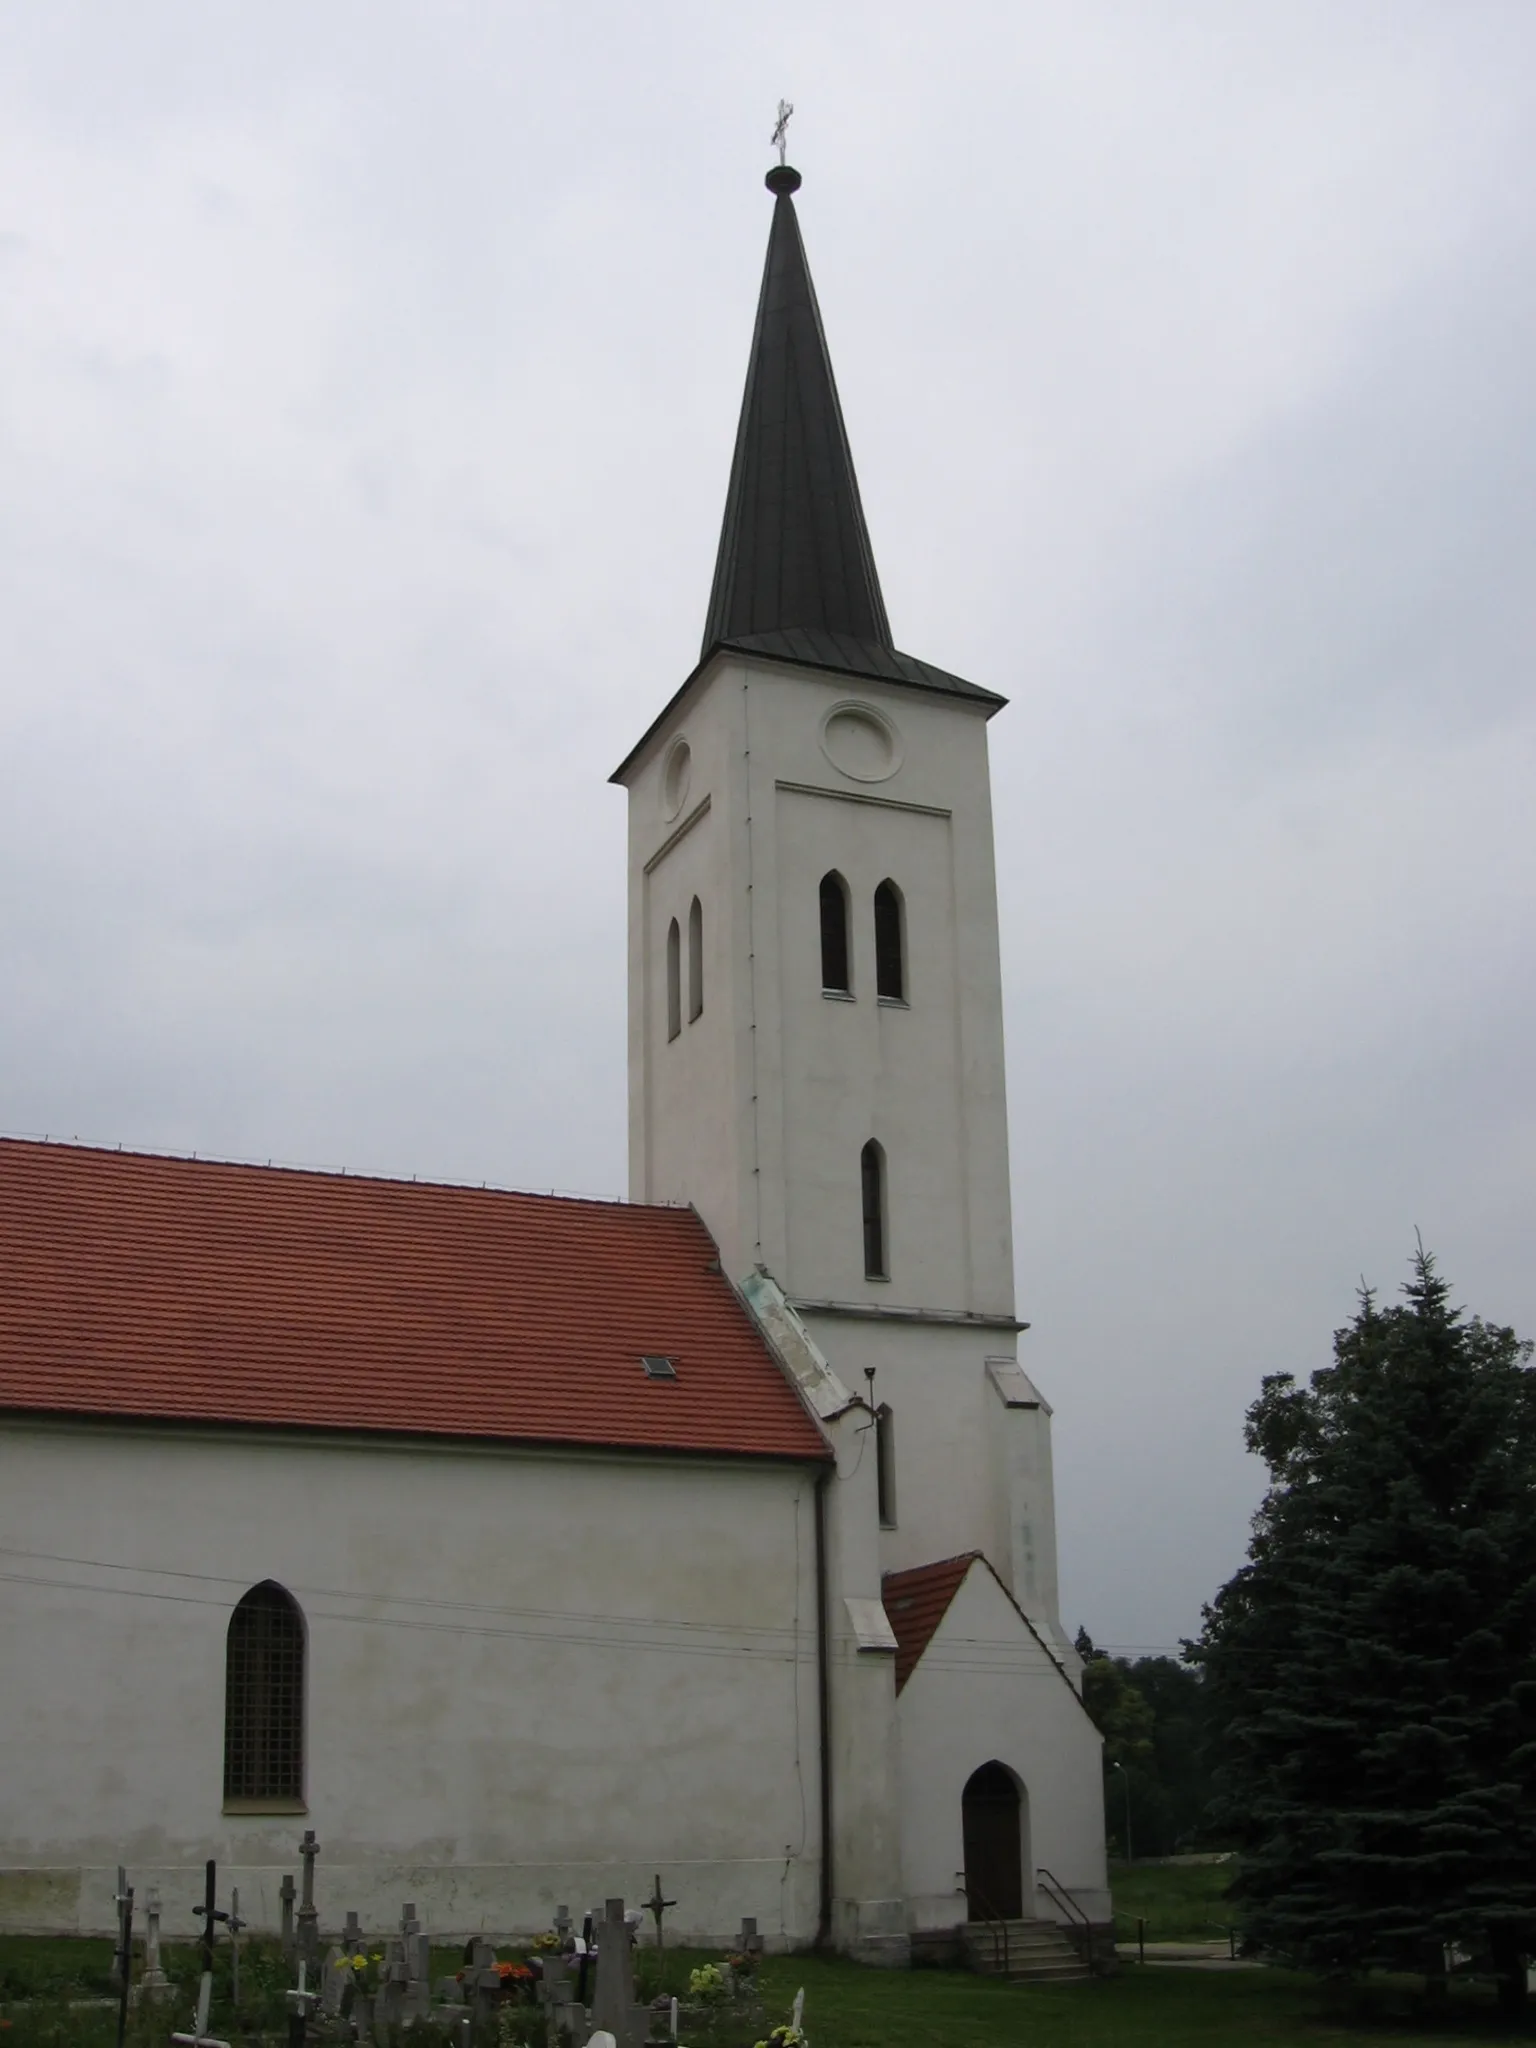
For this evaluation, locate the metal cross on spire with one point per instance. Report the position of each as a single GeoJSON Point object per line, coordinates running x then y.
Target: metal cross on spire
{"type": "Point", "coordinates": [786, 108]}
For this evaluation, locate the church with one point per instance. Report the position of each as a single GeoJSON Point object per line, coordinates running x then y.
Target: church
{"type": "Point", "coordinates": [521, 1547]}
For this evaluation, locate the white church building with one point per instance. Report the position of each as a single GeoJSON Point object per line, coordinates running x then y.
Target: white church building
{"type": "Point", "coordinates": [524, 1548]}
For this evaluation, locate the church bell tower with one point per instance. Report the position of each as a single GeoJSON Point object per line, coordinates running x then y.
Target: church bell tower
{"type": "Point", "coordinates": [815, 1012]}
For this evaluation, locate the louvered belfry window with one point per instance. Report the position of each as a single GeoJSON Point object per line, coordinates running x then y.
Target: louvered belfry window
{"type": "Point", "coordinates": [264, 1697]}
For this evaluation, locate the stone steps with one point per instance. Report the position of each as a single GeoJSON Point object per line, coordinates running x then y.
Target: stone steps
{"type": "Point", "coordinates": [1037, 1952]}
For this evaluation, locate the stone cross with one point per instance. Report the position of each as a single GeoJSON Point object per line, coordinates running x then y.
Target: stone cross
{"type": "Point", "coordinates": [751, 1943]}
{"type": "Point", "coordinates": [656, 1906]}
{"type": "Point", "coordinates": [285, 1892]}
{"type": "Point", "coordinates": [482, 1981]}
{"type": "Point", "coordinates": [391, 2004]}
{"type": "Point", "coordinates": [564, 1925]}
{"type": "Point", "coordinates": [613, 1998]}
{"type": "Point", "coordinates": [418, 1964]}
{"type": "Point", "coordinates": [309, 1919]}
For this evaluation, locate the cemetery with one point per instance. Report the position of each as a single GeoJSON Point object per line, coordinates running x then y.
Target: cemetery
{"type": "Point", "coordinates": [605, 1976]}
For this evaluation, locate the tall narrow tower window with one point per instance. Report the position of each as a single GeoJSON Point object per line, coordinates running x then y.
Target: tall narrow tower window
{"type": "Point", "coordinates": [872, 1179]}
{"type": "Point", "coordinates": [834, 935]}
{"type": "Point", "coordinates": [674, 980]}
{"type": "Point", "coordinates": [695, 960]}
{"type": "Point", "coordinates": [264, 1698]}
{"type": "Point", "coordinates": [885, 1464]}
{"type": "Point", "coordinates": [890, 966]}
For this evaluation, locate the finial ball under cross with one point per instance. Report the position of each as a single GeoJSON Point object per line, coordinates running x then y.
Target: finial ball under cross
{"type": "Point", "coordinates": [780, 128]}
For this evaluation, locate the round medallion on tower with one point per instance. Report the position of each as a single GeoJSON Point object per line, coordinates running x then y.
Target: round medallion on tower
{"type": "Point", "coordinates": [675, 777]}
{"type": "Point", "coordinates": [861, 742]}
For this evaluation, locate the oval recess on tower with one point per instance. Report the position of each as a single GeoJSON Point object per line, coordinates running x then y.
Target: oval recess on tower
{"type": "Point", "coordinates": [861, 742]}
{"type": "Point", "coordinates": [675, 777]}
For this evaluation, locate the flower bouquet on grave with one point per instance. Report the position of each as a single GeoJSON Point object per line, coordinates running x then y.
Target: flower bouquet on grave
{"type": "Point", "coordinates": [742, 1965]}
{"type": "Point", "coordinates": [786, 2036]}
{"type": "Point", "coordinates": [547, 1944]}
{"type": "Point", "coordinates": [708, 1985]}
{"type": "Point", "coordinates": [519, 1983]}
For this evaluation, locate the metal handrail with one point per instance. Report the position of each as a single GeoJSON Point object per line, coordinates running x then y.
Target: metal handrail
{"type": "Point", "coordinates": [974, 1895]}
{"type": "Point", "coordinates": [1054, 1889]}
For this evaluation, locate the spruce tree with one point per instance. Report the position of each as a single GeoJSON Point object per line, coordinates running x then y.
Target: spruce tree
{"type": "Point", "coordinates": [1373, 1665]}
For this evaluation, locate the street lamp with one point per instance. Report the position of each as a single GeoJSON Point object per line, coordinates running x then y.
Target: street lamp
{"type": "Point", "coordinates": [1125, 1774]}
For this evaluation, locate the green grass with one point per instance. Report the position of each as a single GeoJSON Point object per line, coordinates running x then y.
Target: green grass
{"type": "Point", "coordinates": [1180, 1902]}
{"type": "Point", "coordinates": [846, 2007]}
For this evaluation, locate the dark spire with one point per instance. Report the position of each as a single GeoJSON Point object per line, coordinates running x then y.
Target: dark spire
{"type": "Point", "coordinates": [795, 578]}
{"type": "Point", "coordinates": [794, 549]}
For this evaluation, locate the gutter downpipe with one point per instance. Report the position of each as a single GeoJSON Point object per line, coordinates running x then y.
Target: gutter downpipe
{"type": "Point", "coordinates": [824, 1711]}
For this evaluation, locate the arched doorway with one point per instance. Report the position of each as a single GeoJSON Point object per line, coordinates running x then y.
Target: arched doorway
{"type": "Point", "coordinates": [992, 1822]}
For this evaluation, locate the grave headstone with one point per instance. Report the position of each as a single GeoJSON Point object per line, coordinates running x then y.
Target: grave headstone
{"type": "Point", "coordinates": [285, 1895]}
{"type": "Point", "coordinates": [418, 1987]}
{"type": "Point", "coordinates": [336, 1973]}
{"type": "Point", "coordinates": [154, 1985]}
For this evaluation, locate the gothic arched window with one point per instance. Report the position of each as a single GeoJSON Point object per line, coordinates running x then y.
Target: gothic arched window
{"type": "Point", "coordinates": [890, 965]}
{"type": "Point", "coordinates": [872, 1188]}
{"type": "Point", "coordinates": [695, 960]}
{"type": "Point", "coordinates": [264, 1698]}
{"type": "Point", "coordinates": [834, 935]}
{"type": "Point", "coordinates": [674, 980]}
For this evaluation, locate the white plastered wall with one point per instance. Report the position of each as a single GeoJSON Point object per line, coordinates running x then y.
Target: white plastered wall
{"type": "Point", "coordinates": [985, 1690]}
{"type": "Point", "coordinates": [533, 1678]}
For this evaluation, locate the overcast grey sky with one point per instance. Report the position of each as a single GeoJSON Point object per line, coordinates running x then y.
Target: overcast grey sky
{"type": "Point", "coordinates": [368, 377]}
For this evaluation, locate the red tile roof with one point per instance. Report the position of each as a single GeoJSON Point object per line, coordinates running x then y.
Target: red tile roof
{"type": "Point", "coordinates": [193, 1292]}
{"type": "Point", "coordinates": [916, 1601]}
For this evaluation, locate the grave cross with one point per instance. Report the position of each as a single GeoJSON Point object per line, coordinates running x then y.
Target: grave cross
{"type": "Point", "coordinates": [285, 1893]}
{"type": "Point", "coordinates": [124, 1951]}
{"type": "Point", "coordinates": [751, 1943]}
{"type": "Point", "coordinates": [309, 1919]}
{"type": "Point", "coordinates": [210, 1916]}
{"type": "Point", "coordinates": [200, 2036]}
{"type": "Point", "coordinates": [656, 1906]}
{"type": "Point", "coordinates": [301, 2003]}
{"type": "Point", "coordinates": [235, 1924]}
{"type": "Point", "coordinates": [563, 1925]}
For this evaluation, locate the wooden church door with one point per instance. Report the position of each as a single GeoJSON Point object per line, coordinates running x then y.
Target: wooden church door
{"type": "Point", "coordinates": [990, 1823]}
